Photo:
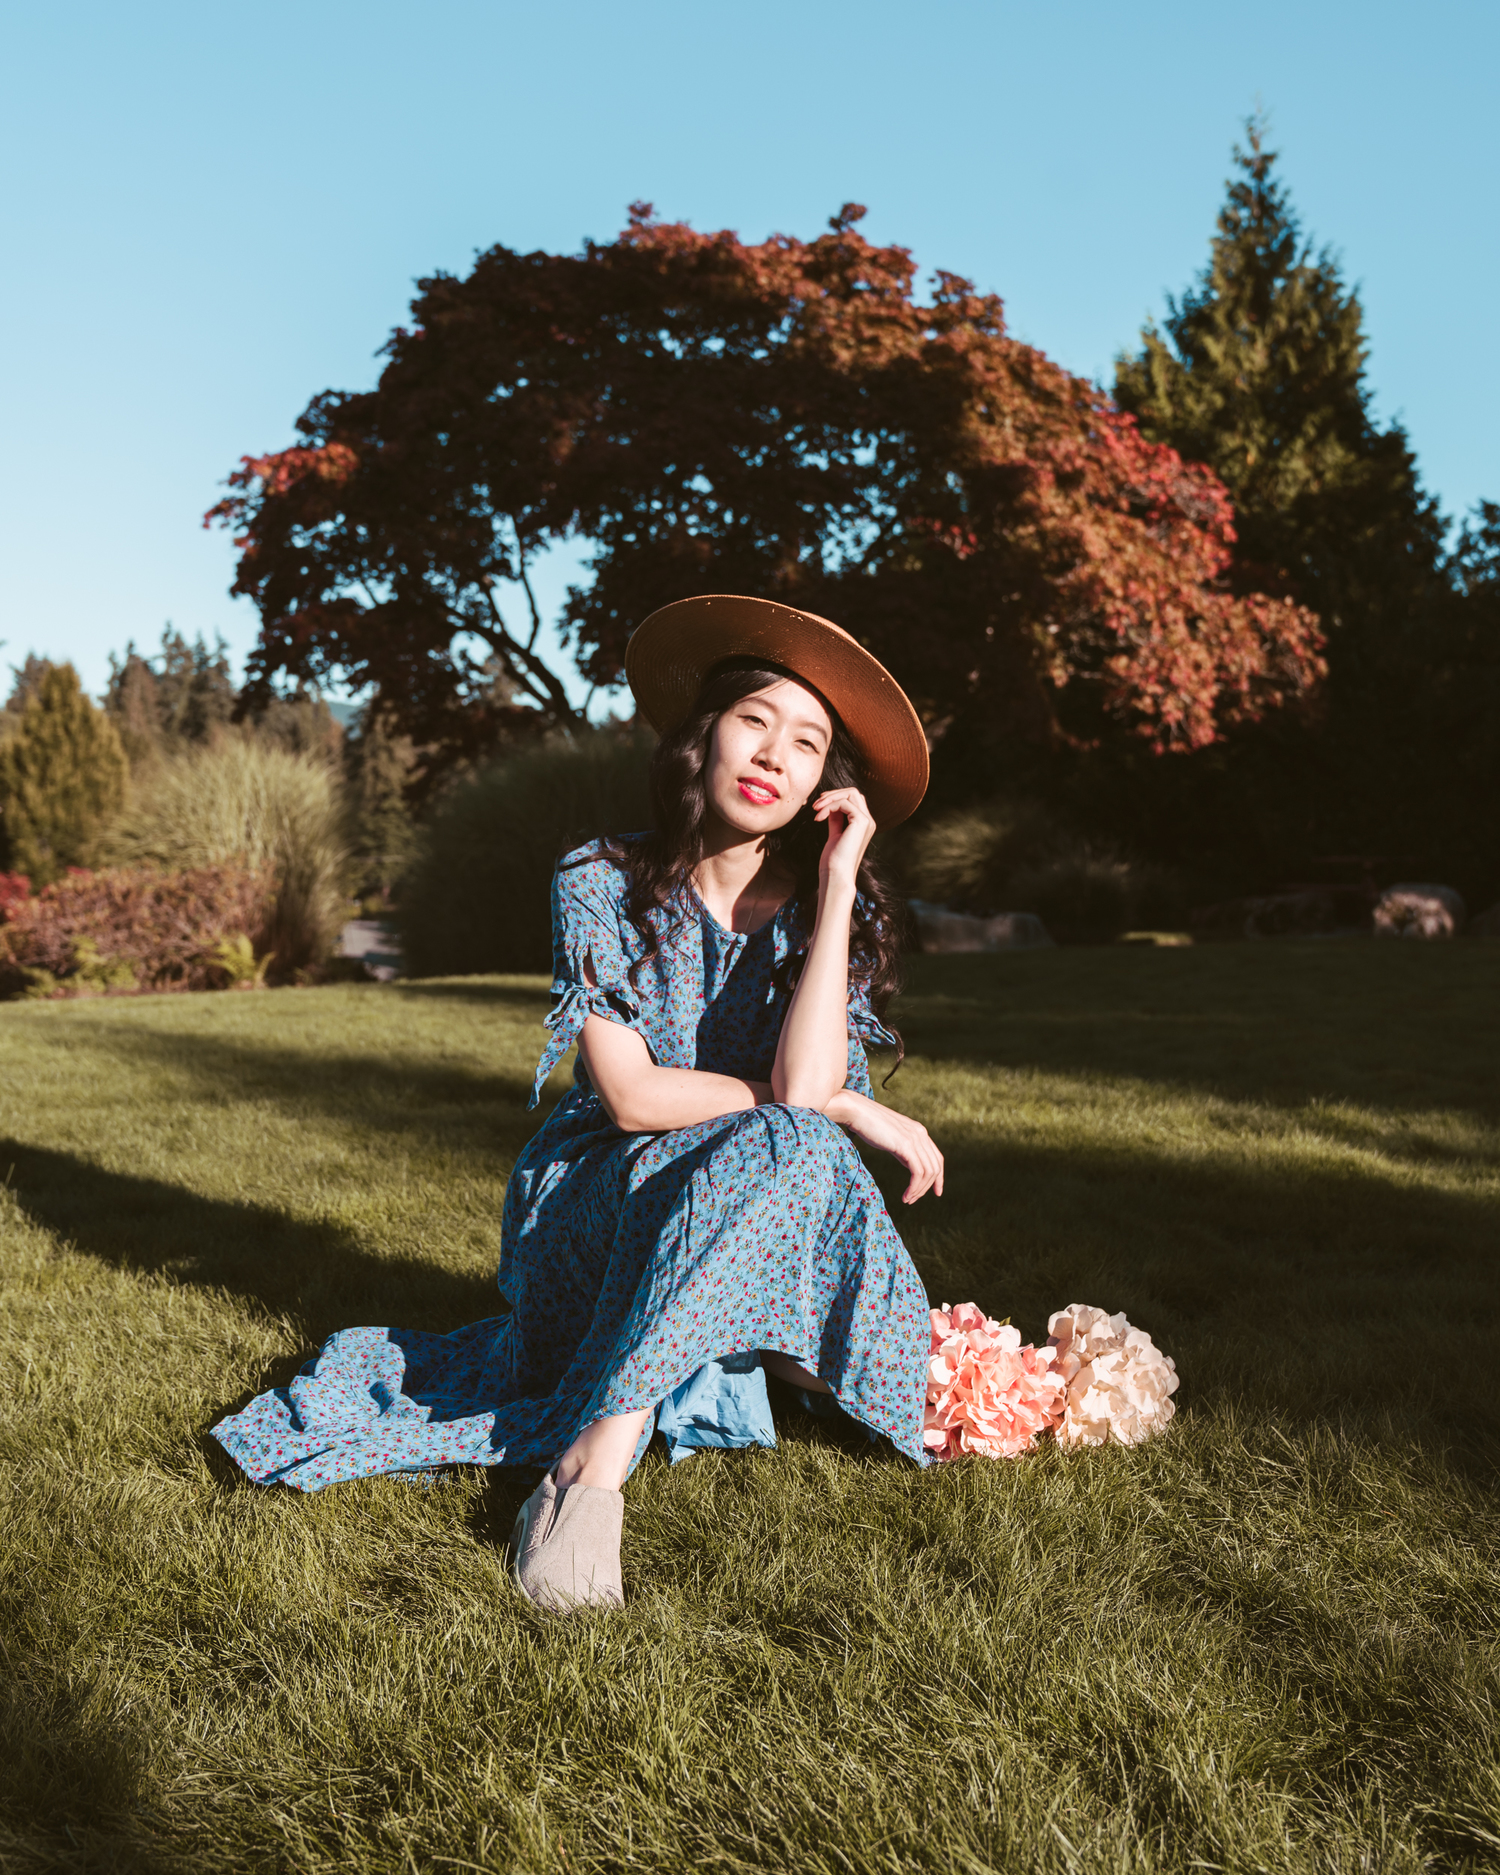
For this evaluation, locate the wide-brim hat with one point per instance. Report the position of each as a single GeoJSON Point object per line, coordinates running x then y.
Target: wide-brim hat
{"type": "Point", "coordinates": [672, 652]}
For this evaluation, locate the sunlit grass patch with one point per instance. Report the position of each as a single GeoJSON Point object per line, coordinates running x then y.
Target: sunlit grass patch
{"type": "Point", "coordinates": [1266, 1641]}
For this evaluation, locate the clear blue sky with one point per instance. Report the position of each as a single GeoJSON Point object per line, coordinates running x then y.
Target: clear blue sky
{"type": "Point", "coordinates": [212, 213]}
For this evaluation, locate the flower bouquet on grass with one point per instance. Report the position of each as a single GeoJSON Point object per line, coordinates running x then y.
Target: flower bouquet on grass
{"type": "Point", "coordinates": [1098, 1379]}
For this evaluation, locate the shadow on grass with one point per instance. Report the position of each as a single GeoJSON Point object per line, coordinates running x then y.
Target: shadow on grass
{"type": "Point", "coordinates": [1392, 1027]}
{"type": "Point", "coordinates": [314, 1273]}
{"type": "Point", "coordinates": [66, 1757]}
{"type": "Point", "coordinates": [1320, 1293]}
{"type": "Point", "coordinates": [1341, 1287]}
{"type": "Point", "coordinates": [479, 990]}
{"type": "Point", "coordinates": [440, 1102]}
{"type": "Point", "coordinates": [1343, 1273]}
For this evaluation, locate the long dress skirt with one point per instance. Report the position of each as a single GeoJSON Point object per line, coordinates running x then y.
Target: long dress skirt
{"type": "Point", "coordinates": [631, 1262]}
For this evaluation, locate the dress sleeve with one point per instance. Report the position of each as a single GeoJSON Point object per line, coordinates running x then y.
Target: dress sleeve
{"type": "Point", "coordinates": [586, 941]}
{"type": "Point", "coordinates": [866, 1031]}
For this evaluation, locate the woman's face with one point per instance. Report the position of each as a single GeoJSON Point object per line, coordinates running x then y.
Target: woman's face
{"type": "Point", "coordinates": [765, 757]}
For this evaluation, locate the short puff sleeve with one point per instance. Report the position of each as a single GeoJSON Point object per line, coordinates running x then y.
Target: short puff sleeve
{"type": "Point", "coordinates": [586, 941]}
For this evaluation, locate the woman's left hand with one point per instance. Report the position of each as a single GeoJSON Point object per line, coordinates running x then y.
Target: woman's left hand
{"type": "Point", "coordinates": [851, 827]}
{"type": "Point", "coordinates": [907, 1141]}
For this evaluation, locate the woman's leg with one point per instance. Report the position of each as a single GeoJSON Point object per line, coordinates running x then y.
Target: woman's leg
{"type": "Point", "coordinates": [601, 1454]}
{"type": "Point", "coordinates": [566, 1541]}
{"type": "Point", "coordinates": [785, 1368]}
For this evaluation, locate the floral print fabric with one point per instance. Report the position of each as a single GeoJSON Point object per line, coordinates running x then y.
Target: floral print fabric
{"type": "Point", "coordinates": [631, 1261]}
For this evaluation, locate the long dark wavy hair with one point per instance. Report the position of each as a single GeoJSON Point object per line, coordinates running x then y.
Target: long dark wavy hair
{"type": "Point", "coordinates": [659, 865]}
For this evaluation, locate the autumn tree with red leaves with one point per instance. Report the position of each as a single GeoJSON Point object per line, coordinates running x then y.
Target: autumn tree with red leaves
{"type": "Point", "coordinates": [785, 419]}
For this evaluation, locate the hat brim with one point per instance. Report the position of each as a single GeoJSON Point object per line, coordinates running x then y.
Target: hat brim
{"type": "Point", "coordinates": [671, 653]}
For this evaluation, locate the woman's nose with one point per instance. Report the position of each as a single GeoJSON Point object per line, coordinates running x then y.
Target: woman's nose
{"type": "Point", "coordinates": [767, 758]}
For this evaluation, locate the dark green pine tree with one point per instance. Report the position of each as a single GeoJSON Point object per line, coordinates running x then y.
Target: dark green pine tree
{"type": "Point", "coordinates": [63, 775]}
{"type": "Point", "coordinates": [194, 687]}
{"type": "Point", "coordinates": [1462, 697]}
{"type": "Point", "coordinates": [380, 765]}
{"type": "Point", "coordinates": [132, 701]}
{"type": "Point", "coordinates": [1260, 373]}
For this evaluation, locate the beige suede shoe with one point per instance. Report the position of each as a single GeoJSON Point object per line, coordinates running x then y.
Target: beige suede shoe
{"type": "Point", "coordinates": [566, 1547]}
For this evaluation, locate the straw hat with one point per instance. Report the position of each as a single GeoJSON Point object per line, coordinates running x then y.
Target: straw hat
{"type": "Point", "coordinates": [669, 656]}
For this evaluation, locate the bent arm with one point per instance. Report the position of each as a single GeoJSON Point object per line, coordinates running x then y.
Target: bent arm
{"type": "Point", "coordinates": [812, 1056]}
{"type": "Point", "coordinates": [641, 1097]}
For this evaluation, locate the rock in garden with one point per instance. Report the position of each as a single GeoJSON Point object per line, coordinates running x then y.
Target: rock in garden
{"type": "Point", "coordinates": [375, 945]}
{"type": "Point", "coordinates": [1419, 911]}
{"type": "Point", "coordinates": [942, 930]}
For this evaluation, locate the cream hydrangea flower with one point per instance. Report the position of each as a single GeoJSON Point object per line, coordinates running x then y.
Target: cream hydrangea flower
{"type": "Point", "coordinates": [1119, 1383]}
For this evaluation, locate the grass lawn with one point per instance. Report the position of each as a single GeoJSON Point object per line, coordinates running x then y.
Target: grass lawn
{"type": "Point", "coordinates": [1267, 1641]}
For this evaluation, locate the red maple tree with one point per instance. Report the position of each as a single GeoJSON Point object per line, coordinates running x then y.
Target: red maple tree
{"type": "Point", "coordinates": [783, 418]}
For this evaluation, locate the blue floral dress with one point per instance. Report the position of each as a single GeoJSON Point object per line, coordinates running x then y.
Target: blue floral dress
{"type": "Point", "coordinates": [642, 1270]}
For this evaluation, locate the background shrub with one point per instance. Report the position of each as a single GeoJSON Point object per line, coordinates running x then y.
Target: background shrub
{"type": "Point", "coordinates": [15, 889]}
{"type": "Point", "coordinates": [1015, 856]}
{"type": "Point", "coordinates": [1082, 897]}
{"type": "Point", "coordinates": [379, 765]}
{"type": "Point", "coordinates": [63, 776]}
{"type": "Point", "coordinates": [966, 859]}
{"type": "Point", "coordinates": [238, 802]}
{"type": "Point", "coordinates": [477, 895]}
{"type": "Point", "coordinates": [126, 929]}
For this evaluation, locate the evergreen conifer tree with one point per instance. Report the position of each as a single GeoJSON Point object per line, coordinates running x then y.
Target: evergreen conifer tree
{"type": "Point", "coordinates": [25, 681]}
{"type": "Point", "coordinates": [132, 701]}
{"type": "Point", "coordinates": [381, 764]}
{"type": "Point", "coordinates": [180, 698]}
{"type": "Point", "coordinates": [195, 689]}
{"type": "Point", "coordinates": [1260, 373]}
{"type": "Point", "coordinates": [300, 722]}
{"type": "Point", "coordinates": [63, 774]}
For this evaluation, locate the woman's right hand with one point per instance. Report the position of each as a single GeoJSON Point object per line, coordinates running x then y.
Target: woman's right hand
{"type": "Point", "coordinates": [851, 827]}
{"type": "Point", "coordinates": [907, 1141]}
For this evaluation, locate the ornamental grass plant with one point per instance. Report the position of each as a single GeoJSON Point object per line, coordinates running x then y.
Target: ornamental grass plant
{"type": "Point", "coordinates": [966, 857]}
{"type": "Point", "coordinates": [1015, 856]}
{"type": "Point", "coordinates": [477, 893]}
{"type": "Point", "coordinates": [1266, 1641]}
{"type": "Point", "coordinates": [240, 801]}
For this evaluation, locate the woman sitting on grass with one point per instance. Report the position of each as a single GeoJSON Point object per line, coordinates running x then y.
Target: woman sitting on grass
{"type": "Point", "coordinates": [694, 1198]}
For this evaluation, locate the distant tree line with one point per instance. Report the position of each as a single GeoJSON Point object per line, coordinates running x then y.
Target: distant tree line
{"type": "Point", "coordinates": [72, 771]}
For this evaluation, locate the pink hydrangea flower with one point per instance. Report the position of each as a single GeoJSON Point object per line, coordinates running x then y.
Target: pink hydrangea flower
{"type": "Point", "coordinates": [985, 1392]}
{"type": "Point", "coordinates": [1119, 1383]}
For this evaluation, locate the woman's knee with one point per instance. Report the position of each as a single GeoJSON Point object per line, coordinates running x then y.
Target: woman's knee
{"type": "Point", "coordinates": [805, 1142]}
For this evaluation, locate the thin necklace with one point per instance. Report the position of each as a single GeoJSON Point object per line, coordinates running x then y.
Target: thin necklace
{"type": "Point", "coordinates": [759, 898]}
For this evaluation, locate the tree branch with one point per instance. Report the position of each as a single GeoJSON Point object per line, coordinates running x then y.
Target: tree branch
{"type": "Point", "coordinates": [525, 579]}
{"type": "Point", "coordinates": [536, 673]}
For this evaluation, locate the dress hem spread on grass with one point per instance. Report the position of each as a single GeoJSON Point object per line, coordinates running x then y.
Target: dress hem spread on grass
{"type": "Point", "coordinates": [643, 1270]}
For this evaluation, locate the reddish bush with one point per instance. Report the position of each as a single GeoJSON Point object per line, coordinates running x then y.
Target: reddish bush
{"type": "Point", "coordinates": [15, 889]}
{"type": "Point", "coordinates": [136, 929]}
